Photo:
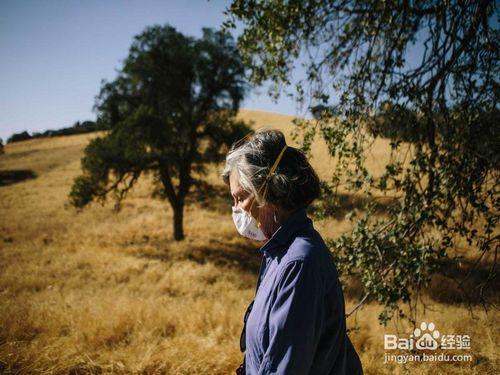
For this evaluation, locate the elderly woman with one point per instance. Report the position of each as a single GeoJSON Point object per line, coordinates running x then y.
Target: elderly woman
{"type": "Point", "coordinates": [296, 322]}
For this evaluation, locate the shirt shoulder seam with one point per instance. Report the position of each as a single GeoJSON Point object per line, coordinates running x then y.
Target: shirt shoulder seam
{"type": "Point", "coordinates": [289, 262]}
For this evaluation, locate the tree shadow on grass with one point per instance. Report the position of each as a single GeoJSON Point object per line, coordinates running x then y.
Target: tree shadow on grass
{"type": "Point", "coordinates": [464, 283]}
{"type": "Point", "coordinates": [338, 206]}
{"type": "Point", "coordinates": [9, 177]}
{"type": "Point", "coordinates": [352, 287]}
{"type": "Point", "coordinates": [244, 256]}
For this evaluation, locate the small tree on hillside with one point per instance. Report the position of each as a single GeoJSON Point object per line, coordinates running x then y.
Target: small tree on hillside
{"type": "Point", "coordinates": [18, 137]}
{"type": "Point", "coordinates": [170, 111]}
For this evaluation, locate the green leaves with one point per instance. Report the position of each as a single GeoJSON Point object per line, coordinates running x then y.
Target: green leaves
{"type": "Point", "coordinates": [83, 191]}
{"type": "Point", "coordinates": [389, 262]}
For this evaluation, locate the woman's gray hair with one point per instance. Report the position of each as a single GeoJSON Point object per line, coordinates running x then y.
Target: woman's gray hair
{"type": "Point", "coordinates": [294, 184]}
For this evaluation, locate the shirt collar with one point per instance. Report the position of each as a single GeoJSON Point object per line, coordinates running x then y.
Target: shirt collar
{"type": "Point", "coordinates": [297, 220]}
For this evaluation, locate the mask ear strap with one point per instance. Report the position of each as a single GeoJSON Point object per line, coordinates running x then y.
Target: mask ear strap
{"type": "Point", "coordinates": [271, 171]}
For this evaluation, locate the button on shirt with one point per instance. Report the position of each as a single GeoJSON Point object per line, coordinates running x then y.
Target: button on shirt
{"type": "Point", "coordinates": [297, 321]}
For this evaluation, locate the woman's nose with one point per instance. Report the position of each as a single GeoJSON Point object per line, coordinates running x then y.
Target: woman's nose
{"type": "Point", "coordinates": [244, 204]}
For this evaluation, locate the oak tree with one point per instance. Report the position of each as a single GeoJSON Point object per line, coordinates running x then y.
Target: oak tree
{"type": "Point", "coordinates": [170, 111]}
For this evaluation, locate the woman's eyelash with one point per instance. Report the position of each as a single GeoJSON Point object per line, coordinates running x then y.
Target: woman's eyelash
{"type": "Point", "coordinates": [240, 198]}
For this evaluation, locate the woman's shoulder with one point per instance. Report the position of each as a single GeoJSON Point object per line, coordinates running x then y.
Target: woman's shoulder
{"type": "Point", "coordinates": [308, 254]}
{"type": "Point", "coordinates": [307, 246]}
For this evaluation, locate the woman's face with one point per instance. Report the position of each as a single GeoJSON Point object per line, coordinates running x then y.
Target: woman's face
{"type": "Point", "coordinates": [243, 199]}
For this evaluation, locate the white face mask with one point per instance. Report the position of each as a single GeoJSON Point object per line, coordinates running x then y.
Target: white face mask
{"type": "Point", "coordinates": [247, 225]}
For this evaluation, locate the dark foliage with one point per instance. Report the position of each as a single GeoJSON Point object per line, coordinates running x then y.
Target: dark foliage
{"type": "Point", "coordinates": [170, 111]}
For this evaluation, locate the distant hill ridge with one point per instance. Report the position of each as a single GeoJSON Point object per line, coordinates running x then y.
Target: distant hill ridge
{"type": "Point", "coordinates": [77, 128]}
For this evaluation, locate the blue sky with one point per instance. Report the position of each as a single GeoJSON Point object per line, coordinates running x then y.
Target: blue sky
{"type": "Point", "coordinates": [55, 53]}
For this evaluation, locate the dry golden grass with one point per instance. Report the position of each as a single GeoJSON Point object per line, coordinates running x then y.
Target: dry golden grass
{"type": "Point", "coordinates": [105, 292]}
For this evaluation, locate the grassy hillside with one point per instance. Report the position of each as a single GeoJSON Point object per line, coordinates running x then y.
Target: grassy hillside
{"type": "Point", "coordinates": [99, 291]}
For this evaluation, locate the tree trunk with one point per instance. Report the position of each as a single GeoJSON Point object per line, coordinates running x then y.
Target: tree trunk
{"type": "Point", "coordinates": [178, 220]}
{"type": "Point", "coordinates": [176, 202]}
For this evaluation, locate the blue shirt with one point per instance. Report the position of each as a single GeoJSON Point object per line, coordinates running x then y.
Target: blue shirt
{"type": "Point", "coordinates": [297, 322]}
